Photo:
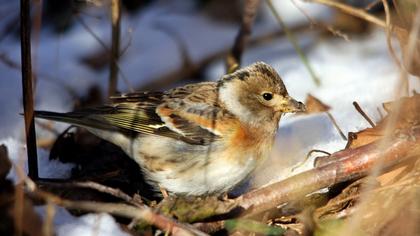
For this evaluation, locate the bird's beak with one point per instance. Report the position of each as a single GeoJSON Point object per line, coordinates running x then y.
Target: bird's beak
{"type": "Point", "coordinates": [291, 105]}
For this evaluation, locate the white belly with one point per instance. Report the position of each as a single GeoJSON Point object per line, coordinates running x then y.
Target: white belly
{"type": "Point", "coordinates": [194, 170]}
{"type": "Point", "coordinates": [216, 177]}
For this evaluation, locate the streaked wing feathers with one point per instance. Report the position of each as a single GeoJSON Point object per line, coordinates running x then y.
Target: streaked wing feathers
{"type": "Point", "coordinates": [137, 112]}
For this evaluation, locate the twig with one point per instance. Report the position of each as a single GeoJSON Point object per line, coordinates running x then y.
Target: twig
{"type": "Point", "coordinates": [37, 23]}
{"type": "Point", "coordinates": [27, 88]}
{"type": "Point", "coordinates": [5, 59]}
{"type": "Point", "coordinates": [293, 40]}
{"type": "Point", "coordinates": [92, 33]}
{"type": "Point", "coordinates": [98, 187]}
{"type": "Point", "coordinates": [336, 125]}
{"type": "Point", "coordinates": [388, 30]}
{"type": "Point", "coordinates": [248, 17]}
{"type": "Point", "coordinates": [350, 164]}
{"type": "Point", "coordinates": [352, 11]}
{"type": "Point", "coordinates": [371, 5]}
{"type": "Point", "coordinates": [308, 156]}
{"type": "Point", "coordinates": [115, 46]}
{"type": "Point", "coordinates": [185, 72]}
{"type": "Point", "coordinates": [105, 47]}
{"type": "Point", "coordinates": [47, 227]}
{"type": "Point", "coordinates": [140, 213]}
{"type": "Point", "coordinates": [361, 112]}
{"type": "Point", "coordinates": [360, 13]}
{"type": "Point", "coordinates": [331, 29]}
{"type": "Point", "coordinates": [106, 189]}
{"type": "Point", "coordinates": [381, 116]}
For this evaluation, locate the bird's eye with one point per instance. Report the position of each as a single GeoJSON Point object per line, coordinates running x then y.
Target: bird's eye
{"type": "Point", "coordinates": [267, 96]}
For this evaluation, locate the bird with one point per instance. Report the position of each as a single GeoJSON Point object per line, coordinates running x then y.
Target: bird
{"type": "Point", "coordinates": [199, 139]}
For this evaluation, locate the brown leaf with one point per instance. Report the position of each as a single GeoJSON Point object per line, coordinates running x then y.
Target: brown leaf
{"type": "Point", "coordinates": [314, 105]}
{"type": "Point", "coordinates": [408, 111]}
{"type": "Point", "coordinates": [408, 116]}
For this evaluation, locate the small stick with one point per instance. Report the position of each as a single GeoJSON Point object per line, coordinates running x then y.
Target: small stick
{"type": "Point", "coordinates": [308, 156]}
{"type": "Point", "coordinates": [28, 100]}
{"type": "Point", "coordinates": [248, 16]}
{"type": "Point", "coordinates": [294, 42]}
{"type": "Point", "coordinates": [371, 5]}
{"type": "Point", "coordinates": [109, 190]}
{"type": "Point", "coordinates": [336, 126]}
{"type": "Point", "coordinates": [98, 187]}
{"type": "Point", "coordinates": [115, 46]}
{"type": "Point", "coordinates": [380, 113]}
{"type": "Point", "coordinates": [359, 109]}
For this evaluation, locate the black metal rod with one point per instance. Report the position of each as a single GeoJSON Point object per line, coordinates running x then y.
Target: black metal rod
{"type": "Point", "coordinates": [28, 100]}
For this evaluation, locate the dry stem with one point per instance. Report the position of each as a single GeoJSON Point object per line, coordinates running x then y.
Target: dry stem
{"type": "Point", "coordinates": [115, 46]}
{"type": "Point", "coordinates": [28, 100]}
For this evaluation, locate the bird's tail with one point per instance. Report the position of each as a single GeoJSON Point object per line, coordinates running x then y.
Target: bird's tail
{"type": "Point", "coordinates": [76, 118]}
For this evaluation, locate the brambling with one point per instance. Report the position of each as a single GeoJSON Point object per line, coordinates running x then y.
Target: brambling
{"type": "Point", "coordinates": [198, 139]}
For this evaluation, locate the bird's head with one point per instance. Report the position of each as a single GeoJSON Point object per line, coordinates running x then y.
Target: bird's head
{"type": "Point", "coordinates": [257, 95]}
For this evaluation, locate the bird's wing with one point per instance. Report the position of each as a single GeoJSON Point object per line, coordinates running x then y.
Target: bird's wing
{"type": "Point", "coordinates": [190, 113]}
{"type": "Point", "coordinates": [194, 112]}
{"type": "Point", "coordinates": [187, 113]}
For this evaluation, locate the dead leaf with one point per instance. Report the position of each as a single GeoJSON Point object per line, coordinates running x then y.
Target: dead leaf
{"type": "Point", "coordinates": [408, 116]}
{"type": "Point", "coordinates": [314, 105]}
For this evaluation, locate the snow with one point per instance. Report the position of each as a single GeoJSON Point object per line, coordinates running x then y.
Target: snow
{"type": "Point", "coordinates": [89, 224]}
{"type": "Point", "coordinates": [360, 70]}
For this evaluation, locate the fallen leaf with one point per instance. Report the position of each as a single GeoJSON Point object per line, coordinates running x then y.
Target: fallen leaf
{"type": "Point", "coordinates": [407, 110]}
{"type": "Point", "coordinates": [314, 105]}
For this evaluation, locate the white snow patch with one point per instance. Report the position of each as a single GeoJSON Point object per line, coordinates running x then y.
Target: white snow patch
{"type": "Point", "coordinates": [66, 224]}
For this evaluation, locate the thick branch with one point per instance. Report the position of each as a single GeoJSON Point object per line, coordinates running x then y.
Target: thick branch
{"type": "Point", "coordinates": [354, 163]}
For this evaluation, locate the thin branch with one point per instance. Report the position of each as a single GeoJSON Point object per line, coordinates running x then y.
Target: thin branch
{"type": "Point", "coordinates": [105, 47]}
{"type": "Point", "coordinates": [27, 88]}
{"type": "Point", "coordinates": [91, 32]}
{"type": "Point", "coordinates": [98, 187]}
{"type": "Point", "coordinates": [293, 40]}
{"type": "Point", "coordinates": [388, 30]}
{"type": "Point", "coordinates": [360, 13]}
{"type": "Point", "coordinates": [309, 156]}
{"type": "Point", "coordinates": [350, 164]}
{"type": "Point", "coordinates": [329, 28]}
{"type": "Point", "coordinates": [115, 46]}
{"type": "Point", "coordinates": [336, 126]}
{"type": "Point", "coordinates": [248, 17]}
{"type": "Point", "coordinates": [352, 11]}
{"type": "Point", "coordinates": [361, 112]}
{"type": "Point", "coordinates": [372, 4]}
{"type": "Point", "coordinates": [185, 72]}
